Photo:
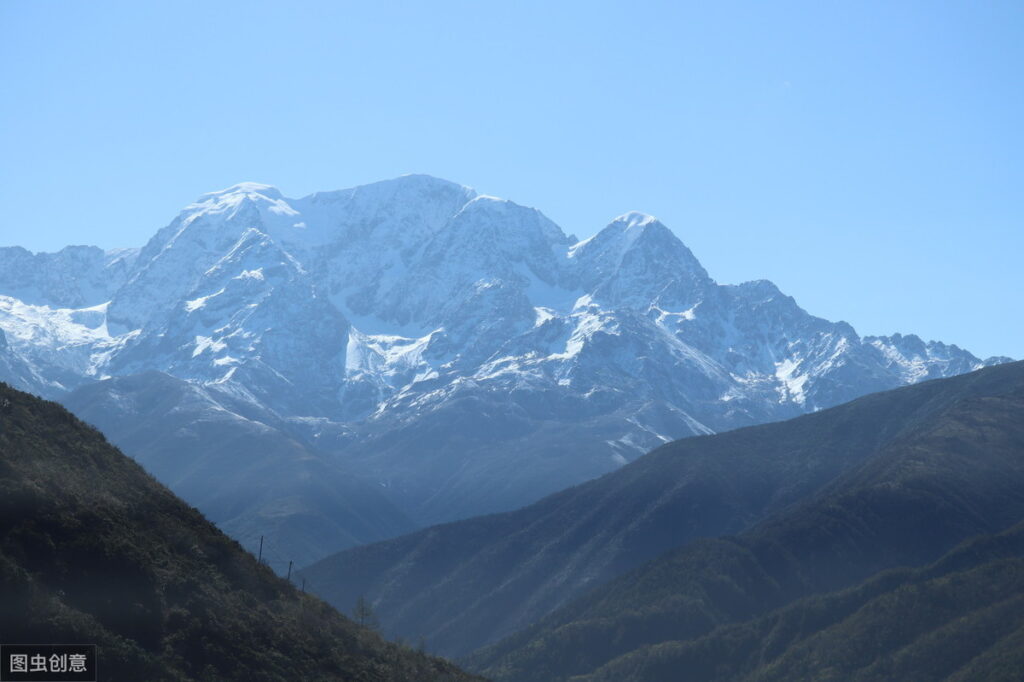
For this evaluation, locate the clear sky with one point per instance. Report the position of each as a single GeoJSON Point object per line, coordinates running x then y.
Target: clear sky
{"type": "Point", "coordinates": [865, 156]}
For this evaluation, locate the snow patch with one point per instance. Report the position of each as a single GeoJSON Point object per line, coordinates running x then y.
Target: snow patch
{"type": "Point", "coordinates": [256, 274]}
{"type": "Point", "coordinates": [204, 343]}
{"type": "Point", "coordinates": [197, 303]}
{"type": "Point", "coordinates": [543, 315]}
{"type": "Point", "coordinates": [792, 387]}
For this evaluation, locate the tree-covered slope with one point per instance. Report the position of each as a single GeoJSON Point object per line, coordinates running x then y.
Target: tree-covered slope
{"type": "Point", "coordinates": [466, 584]}
{"type": "Point", "coordinates": [93, 550]}
{"type": "Point", "coordinates": [949, 475]}
{"type": "Point", "coordinates": [961, 618]}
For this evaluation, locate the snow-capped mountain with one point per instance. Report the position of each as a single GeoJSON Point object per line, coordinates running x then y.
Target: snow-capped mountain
{"type": "Point", "coordinates": [458, 349]}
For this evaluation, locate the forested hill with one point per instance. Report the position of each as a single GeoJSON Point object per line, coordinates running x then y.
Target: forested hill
{"type": "Point", "coordinates": [961, 618]}
{"type": "Point", "coordinates": [954, 472]}
{"type": "Point", "coordinates": [93, 550]}
{"type": "Point", "coordinates": [468, 584]}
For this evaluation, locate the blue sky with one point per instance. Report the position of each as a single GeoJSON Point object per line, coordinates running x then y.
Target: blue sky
{"type": "Point", "coordinates": [865, 156]}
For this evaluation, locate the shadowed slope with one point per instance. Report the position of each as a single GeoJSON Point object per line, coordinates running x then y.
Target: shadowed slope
{"type": "Point", "coordinates": [93, 550]}
{"type": "Point", "coordinates": [953, 473]}
{"type": "Point", "coordinates": [961, 618]}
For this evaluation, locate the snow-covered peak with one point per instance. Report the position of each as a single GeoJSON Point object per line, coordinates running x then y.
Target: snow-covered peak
{"type": "Point", "coordinates": [634, 220]}
{"type": "Point", "coordinates": [757, 290]}
{"type": "Point", "coordinates": [508, 220]}
{"type": "Point", "coordinates": [234, 200]}
{"type": "Point", "coordinates": [424, 182]}
{"type": "Point", "coordinates": [397, 214]}
{"type": "Point", "coordinates": [416, 254]}
{"type": "Point", "coordinates": [414, 187]}
{"type": "Point", "coordinates": [635, 261]}
{"type": "Point", "coordinates": [624, 233]}
{"type": "Point", "coordinates": [242, 188]}
{"type": "Point", "coordinates": [417, 315]}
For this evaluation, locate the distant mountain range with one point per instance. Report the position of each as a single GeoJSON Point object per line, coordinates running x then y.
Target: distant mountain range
{"type": "Point", "coordinates": [94, 551]}
{"type": "Point", "coordinates": [714, 555]}
{"type": "Point", "coordinates": [441, 352]}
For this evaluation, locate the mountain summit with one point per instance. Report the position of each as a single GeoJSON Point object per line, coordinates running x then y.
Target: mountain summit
{"type": "Point", "coordinates": [457, 351]}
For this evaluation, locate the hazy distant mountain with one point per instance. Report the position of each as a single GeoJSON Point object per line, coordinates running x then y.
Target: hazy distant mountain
{"type": "Point", "coordinates": [459, 351]}
{"type": "Point", "coordinates": [822, 500]}
{"type": "Point", "coordinates": [251, 479]}
{"type": "Point", "coordinates": [93, 550]}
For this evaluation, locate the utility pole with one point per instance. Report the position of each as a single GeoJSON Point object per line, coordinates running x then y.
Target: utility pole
{"type": "Point", "coordinates": [259, 559]}
{"type": "Point", "coordinates": [289, 571]}
{"type": "Point", "coordinates": [303, 586]}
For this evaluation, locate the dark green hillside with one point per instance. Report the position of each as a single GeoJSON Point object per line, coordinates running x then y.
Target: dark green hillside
{"type": "Point", "coordinates": [961, 618]}
{"type": "Point", "coordinates": [953, 475]}
{"type": "Point", "coordinates": [93, 550]}
{"type": "Point", "coordinates": [467, 584]}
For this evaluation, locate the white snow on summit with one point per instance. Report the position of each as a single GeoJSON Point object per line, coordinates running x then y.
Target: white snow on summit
{"type": "Point", "coordinates": [384, 310]}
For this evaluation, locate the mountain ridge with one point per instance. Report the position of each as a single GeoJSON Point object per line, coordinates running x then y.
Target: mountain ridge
{"type": "Point", "coordinates": [470, 582]}
{"type": "Point", "coordinates": [458, 351]}
{"type": "Point", "coordinates": [958, 618]}
{"type": "Point", "coordinates": [952, 469]}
